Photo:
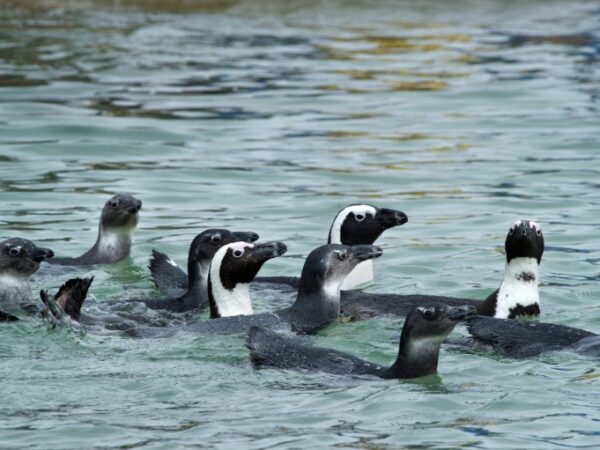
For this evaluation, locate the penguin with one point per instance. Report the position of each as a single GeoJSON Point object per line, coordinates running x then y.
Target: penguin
{"type": "Point", "coordinates": [518, 294]}
{"type": "Point", "coordinates": [19, 260]}
{"type": "Point", "coordinates": [424, 330]}
{"type": "Point", "coordinates": [520, 339]}
{"type": "Point", "coordinates": [115, 234]}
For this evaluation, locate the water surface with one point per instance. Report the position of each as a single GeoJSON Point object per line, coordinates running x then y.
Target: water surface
{"type": "Point", "coordinates": [263, 117]}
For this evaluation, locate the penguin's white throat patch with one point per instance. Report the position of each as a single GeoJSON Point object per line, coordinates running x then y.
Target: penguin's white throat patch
{"type": "Point", "coordinates": [519, 288]}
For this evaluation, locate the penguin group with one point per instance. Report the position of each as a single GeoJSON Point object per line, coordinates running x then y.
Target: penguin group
{"type": "Point", "coordinates": [223, 264]}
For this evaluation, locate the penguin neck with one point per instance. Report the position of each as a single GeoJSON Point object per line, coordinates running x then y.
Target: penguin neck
{"type": "Point", "coordinates": [198, 273]}
{"type": "Point", "coordinates": [15, 292]}
{"type": "Point", "coordinates": [318, 298]}
{"type": "Point", "coordinates": [518, 293]}
{"type": "Point", "coordinates": [112, 245]}
{"type": "Point", "coordinates": [417, 357]}
{"type": "Point", "coordinates": [197, 294]}
{"type": "Point", "coordinates": [225, 302]}
{"type": "Point", "coordinates": [362, 274]}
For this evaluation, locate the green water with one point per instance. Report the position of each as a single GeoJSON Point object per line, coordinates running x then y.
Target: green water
{"type": "Point", "coordinates": [264, 117]}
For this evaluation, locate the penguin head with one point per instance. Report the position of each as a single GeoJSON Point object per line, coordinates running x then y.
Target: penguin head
{"type": "Point", "coordinates": [206, 244]}
{"type": "Point", "coordinates": [120, 211]}
{"type": "Point", "coordinates": [363, 224]}
{"type": "Point", "coordinates": [329, 265]}
{"type": "Point", "coordinates": [21, 258]}
{"type": "Point", "coordinates": [239, 262]}
{"type": "Point", "coordinates": [524, 240]}
{"type": "Point", "coordinates": [433, 322]}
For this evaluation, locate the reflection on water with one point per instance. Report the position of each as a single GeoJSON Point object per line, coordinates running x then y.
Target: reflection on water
{"type": "Point", "coordinates": [271, 116]}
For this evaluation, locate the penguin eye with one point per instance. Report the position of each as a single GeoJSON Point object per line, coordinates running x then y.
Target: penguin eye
{"type": "Point", "coordinates": [511, 230]}
{"type": "Point", "coordinates": [342, 255]}
{"type": "Point", "coordinates": [429, 313]}
{"type": "Point", "coordinates": [216, 239]}
{"type": "Point", "coordinates": [238, 253]}
{"type": "Point", "coordinates": [538, 232]}
{"type": "Point", "coordinates": [14, 251]}
{"type": "Point", "coordinates": [114, 203]}
{"type": "Point", "coordinates": [359, 217]}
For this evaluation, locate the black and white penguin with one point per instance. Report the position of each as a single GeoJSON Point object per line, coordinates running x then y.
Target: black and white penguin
{"type": "Point", "coordinates": [317, 303]}
{"type": "Point", "coordinates": [518, 294]}
{"type": "Point", "coordinates": [202, 250]}
{"type": "Point", "coordinates": [232, 269]}
{"type": "Point", "coordinates": [424, 330]}
{"type": "Point", "coordinates": [354, 225]}
{"type": "Point", "coordinates": [19, 260]}
{"type": "Point", "coordinates": [115, 234]}
{"type": "Point", "coordinates": [520, 339]}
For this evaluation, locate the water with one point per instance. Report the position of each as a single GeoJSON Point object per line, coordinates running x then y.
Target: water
{"type": "Point", "coordinates": [264, 117]}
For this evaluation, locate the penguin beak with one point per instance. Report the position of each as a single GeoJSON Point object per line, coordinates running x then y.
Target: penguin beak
{"type": "Point", "coordinates": [269, 250]}
{"type": "Point", "coordinates": [458, 313]}
{"type": "Point", "coordinates": [391, 218]}
{"type": "Point", "coordinates": [245, 236]}
{"type": "Point", "coordinates": [39, 254]}
{"type": "Point", "coordinates": [137, 205]}
{"type": "Point", "coordinates": [365, 252]}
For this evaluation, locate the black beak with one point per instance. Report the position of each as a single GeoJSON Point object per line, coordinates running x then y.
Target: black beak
{"type": "Point", "coordinates": [457, 313]}
{"type": "Point", "coordinates": [245, 236]}
{"type": "Point", "coordinates": [137, 205]}
{"type": "Point", "coordinates": [269, 250]}
{"type": "Point", "coordinates": [391, 218]}
{"type": "Point", "coordinates": [39, 254]}
{"type": "Point", "coordinates": [364, 252]}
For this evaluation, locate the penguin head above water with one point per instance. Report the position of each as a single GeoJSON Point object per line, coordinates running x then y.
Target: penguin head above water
{"type": "Point", "coordinates": [362, 225]}
{"type": "Point", "coordinates": [120, 211]}
{"type": "Point", "coordinates": [424, 330]}
{"type": "Point", "coordinates": [327, 267]}
{"type": "Point", "coordinates": [232, 269]}
{"type": "Point", "coordinates": [433, 322]}
{"type": "Point", "coordinates": [21, 258]}
{"type": "Point", "coordinates": [117, 224]}
{"type": "Point", "coordinates": [518, 294]}
{"type": "Point", "coordinates": [524, 240]}
{"type": "Point", "coordinates": [206, 244]}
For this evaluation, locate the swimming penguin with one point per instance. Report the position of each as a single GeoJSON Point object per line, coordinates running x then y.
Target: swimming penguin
{"type": "Point", "coordinates": [423, 332]}
{"type": "Point", "coordinates": [353, 225]}
{"type": "Point", "coordinates": [518, 294]}
{"type": "Point", "coordinates": [519, 339]}
{"type": "Point", "coordinates": [202, 250]}
{"type": "Point", "coordinates": [19, 259]}
{"type": "Point", "coordinates": [117, 223]}
{"type": "Point", "coordinates": [317, 303]}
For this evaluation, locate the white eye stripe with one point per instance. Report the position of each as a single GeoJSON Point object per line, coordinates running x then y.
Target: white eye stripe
{"type": "Point", "coordinates": [516, 225]}
{"type": "Point", "coordinates": [535, 226]}
{"type": "Point", "coordinates": [15, 250]}
{"type": "Point", "coordinates": [238, 248]}
{"type": "Point", "coordinates": [357, 210]}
